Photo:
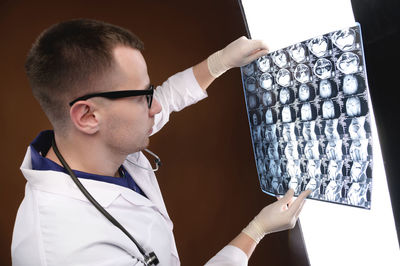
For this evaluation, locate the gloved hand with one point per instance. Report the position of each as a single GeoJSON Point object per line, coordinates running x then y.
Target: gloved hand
{"type": "Point", "coordinates": [238, 53]}
{"type": "Point", "coordinates": [278, 216]}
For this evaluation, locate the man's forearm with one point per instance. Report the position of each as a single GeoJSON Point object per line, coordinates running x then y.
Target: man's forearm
{"type": "Point", "coordinates": [245, 243]}
{"type": "Point", "coordinates": [203, 75]}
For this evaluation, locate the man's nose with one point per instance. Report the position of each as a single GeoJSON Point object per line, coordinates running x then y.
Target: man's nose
{"type": "Point", "coordinates": [155, 107]}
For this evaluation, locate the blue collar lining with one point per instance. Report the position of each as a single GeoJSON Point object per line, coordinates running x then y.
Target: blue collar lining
{"type": "Point", "coordinates": [42, 144]}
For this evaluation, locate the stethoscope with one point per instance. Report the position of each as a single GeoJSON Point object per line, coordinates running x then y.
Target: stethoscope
{"type": "Point", "coordinates": [156, 160]}
{"type": "Point", "coordinates": [151, 257]}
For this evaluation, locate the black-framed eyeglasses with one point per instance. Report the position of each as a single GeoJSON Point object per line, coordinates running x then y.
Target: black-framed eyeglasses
{"type": "Point", "coordinates": [120, 94]}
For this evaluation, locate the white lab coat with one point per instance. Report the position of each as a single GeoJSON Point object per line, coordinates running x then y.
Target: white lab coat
{"type": "Point", "coordinates": [57, 225]}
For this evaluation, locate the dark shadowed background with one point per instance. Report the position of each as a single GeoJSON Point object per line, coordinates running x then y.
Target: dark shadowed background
{"type": "Point", "coordinates": [208, 177]}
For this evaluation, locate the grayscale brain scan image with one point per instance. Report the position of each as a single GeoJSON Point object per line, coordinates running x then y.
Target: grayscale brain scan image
{"type": "Point", "coordinates": [333, 191]}
{"type": "Point", "coordinates": [323, 68]}
{"type": "Point", "coordinates": [264, 63]}
{"type": "Point", "coordinates": [269, 119]}
{"type": "Point", "coordinates": [309, 119]}
{"type": "Point", "coordinates": [304, 92]}
{"type": "Point", "coordinates": [309, 131]}
{"type": "Point", "coordinates": [283, 77]}
{"type": "Point", "coordinates": [356, 128]}
{"type": "Point", "coordinates": [270, 133]}
{"type": "Point", "coordinates": [265, 81]}
{"type": "Point", "coordinates": [350, 84]}
{"type": "Point", "coordinates": [286, 114]}
{"type": "Point", "coordinates": [334, 149]}
{"type": "Point", "coordinates": [267, 98]}
{"type": "Point", "coordinates": [298, 52]}
{"type": "Point", "coordinates": [318, 46]}
{"type": "Point", "coordinates": [284, 96]}
{"type": "Point", "coordinates": [251, 84]}
{"type": "Point", "coordinates": [330, 130]}
{"type": "Point", "coordinates": [335, 170]}
{"type": "Point", "coordinates": [325, 88]}
{"type": "Point", "coordinates": [328, 109]}
{"type": "Point", "coordinates": [311, 150]}
{"type": "Point", "coordinates": [288, 132]}
{"type": "Point", "coordinates": [348, 63]}
{"type": "Point", "coordinates": [353, 106]}
{"type": "Point", "coordinates": [280, 58]}
{"type": "Point", "coordinates": [306, 114]}
{"type": "Point", "coordinates": [345, 40]}
{"type": "Point", "coordinates": [302, 73]}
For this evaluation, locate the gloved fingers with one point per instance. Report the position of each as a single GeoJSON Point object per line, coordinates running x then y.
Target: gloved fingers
{"type": "Point", "coordinates": [288, 196]}
{"type": "Point", "coordinates": [258, 45]}
{"type": "Point", "coordinates": [252, 44]}
{"type": "Point", "coordinates": [296, 205]}
{"type": "Point", "coordinates": [242, 51]}
{"type": "Point", "coordinates": [296, 215]}
{"type": "Point", "coordinates": [256, 54]}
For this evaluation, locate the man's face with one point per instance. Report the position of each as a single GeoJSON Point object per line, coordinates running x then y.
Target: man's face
{"type": "Point", "coordinates": [126, 123]}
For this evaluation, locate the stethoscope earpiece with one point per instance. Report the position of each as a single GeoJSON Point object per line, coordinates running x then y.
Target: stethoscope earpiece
{"type": "Point", "coordinates": [157, 161]}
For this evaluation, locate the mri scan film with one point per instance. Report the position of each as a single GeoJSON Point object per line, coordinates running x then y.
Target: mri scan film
{"type": "Point", "coordinates": [309, 119]}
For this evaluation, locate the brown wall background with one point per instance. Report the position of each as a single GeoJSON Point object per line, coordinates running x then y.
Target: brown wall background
{"type": "Point", "coordinates": [208, 177]}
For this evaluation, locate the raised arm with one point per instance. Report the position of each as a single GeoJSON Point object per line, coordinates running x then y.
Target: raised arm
{"type": "Point", "coordinates": [238, 53]}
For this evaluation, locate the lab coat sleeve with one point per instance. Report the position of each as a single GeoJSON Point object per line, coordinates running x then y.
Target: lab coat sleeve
{"type": "Point", "coordinates": [178, 92]}
{"type": "Point", "coordinates": [229, 256]}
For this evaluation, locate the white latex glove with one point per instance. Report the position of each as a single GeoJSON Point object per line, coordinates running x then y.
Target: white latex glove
{"type": "Point", "coordinates": [278, 216]}
{"type": "Point", "coordinates": [238, 53]}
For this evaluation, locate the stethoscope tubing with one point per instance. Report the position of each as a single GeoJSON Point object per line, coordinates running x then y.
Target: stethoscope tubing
{"type": "Point", "coordinates": [150, 259]}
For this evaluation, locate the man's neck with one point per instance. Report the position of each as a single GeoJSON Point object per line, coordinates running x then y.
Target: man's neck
{"type": "Point", "coordinates": [86, 156]}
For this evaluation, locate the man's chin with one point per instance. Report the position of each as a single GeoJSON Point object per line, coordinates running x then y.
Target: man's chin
{"type": "Point", "coordinates": [145, 145]}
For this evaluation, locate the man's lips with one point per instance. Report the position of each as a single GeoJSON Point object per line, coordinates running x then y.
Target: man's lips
{"type": "Point", "coordinates": [151, 129]}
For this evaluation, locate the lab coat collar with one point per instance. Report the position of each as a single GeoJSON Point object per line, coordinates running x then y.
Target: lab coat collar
{"type": "Point", "coordinates": [105, 193]}
{"type": "Point", "coordinates": [61, 183]}
{"type": "Point", "coordinates": [147, 181]}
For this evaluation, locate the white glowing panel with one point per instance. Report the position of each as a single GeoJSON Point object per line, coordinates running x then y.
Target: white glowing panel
{"type": "Point", "coordinates": [284, 22]}
{"type": "Point", "coordinates": [339, 235]}
{"type": "Point", "coordinates": [333, 234]}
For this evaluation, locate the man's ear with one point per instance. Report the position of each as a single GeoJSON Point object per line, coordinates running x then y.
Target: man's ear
{"type": "Point", "coordinates": [84, 117]}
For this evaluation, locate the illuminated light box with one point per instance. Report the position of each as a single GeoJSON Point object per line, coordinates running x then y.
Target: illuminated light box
{"type": "Point", "coordinates": [334, 234]}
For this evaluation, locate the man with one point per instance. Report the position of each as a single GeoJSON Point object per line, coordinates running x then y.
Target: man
{"type": "Point", "coordinates": [91, 80]}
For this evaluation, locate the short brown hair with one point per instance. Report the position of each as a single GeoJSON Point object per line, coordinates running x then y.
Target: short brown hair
{"type": "Point", "coordinates": [69, 58]}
